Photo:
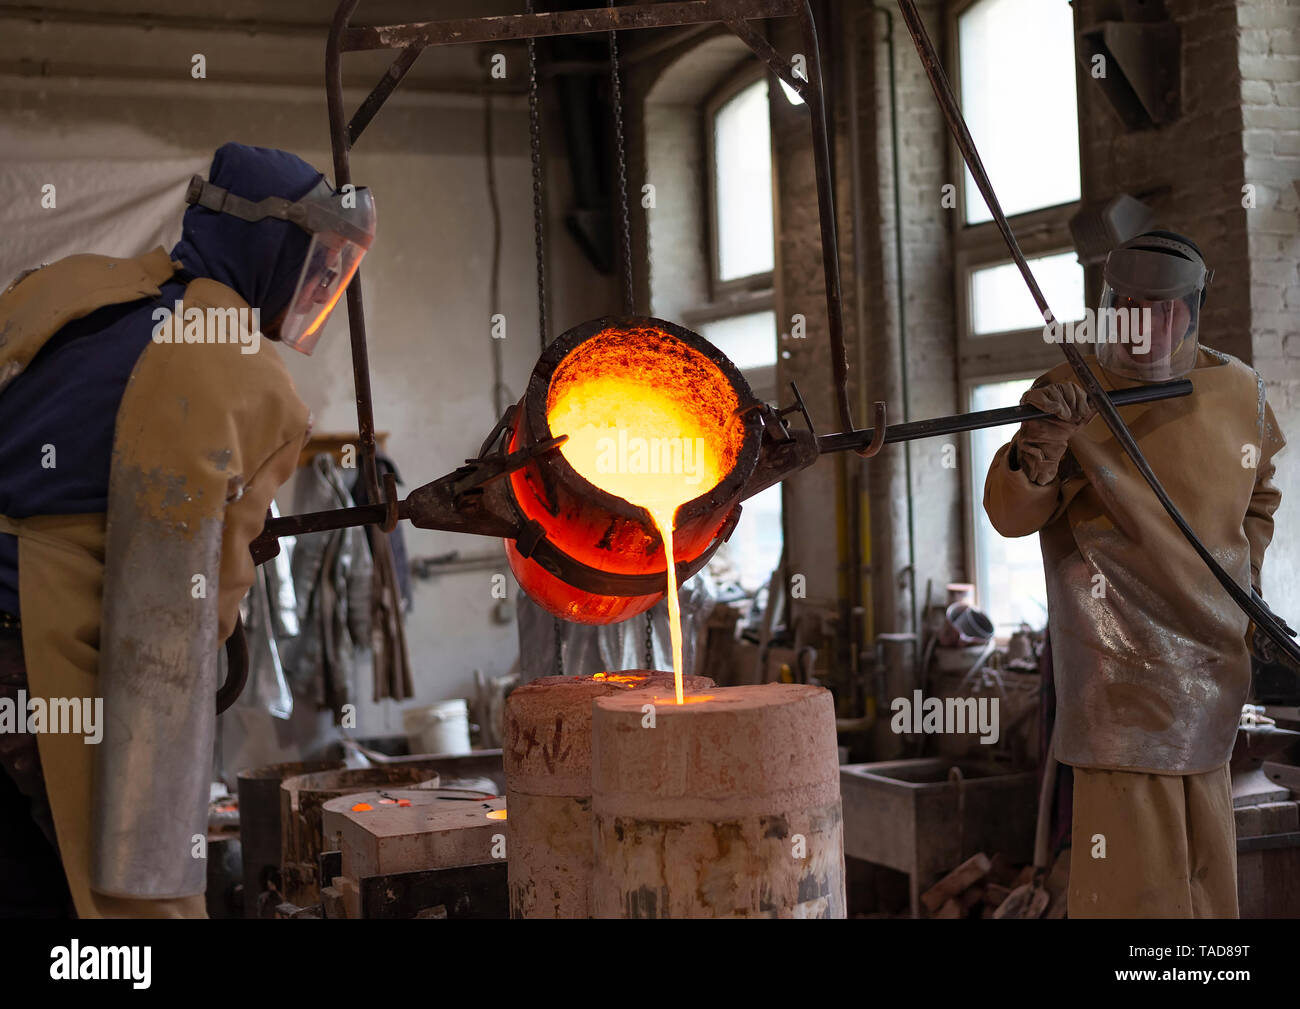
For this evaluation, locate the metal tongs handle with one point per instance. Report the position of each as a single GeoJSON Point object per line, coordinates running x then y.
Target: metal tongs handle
{"type": "Point", "coordinates": [855, 440]}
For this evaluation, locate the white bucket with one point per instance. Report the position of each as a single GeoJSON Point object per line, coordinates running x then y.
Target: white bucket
{"type": "Point", "coordinates": [438, 728]}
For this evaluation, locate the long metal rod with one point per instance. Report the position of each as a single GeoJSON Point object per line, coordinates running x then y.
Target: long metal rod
{"type": "Point", "coordinates": [356, 312]}
{"type": "Point", "coordinates": [462, 31]}
{"type": "Point", "coordinates": [763, 49]}
{"type": "Point", "coordinates": [816, 100]}
{"type": "Point", "coordinates": [387, 85]}
{"type": "Point", "coordinates": [1243, 597]}
{"type": "Point", "coordinates": [935, 426]}
{"type": "Point", "coordinates": [333, 518]}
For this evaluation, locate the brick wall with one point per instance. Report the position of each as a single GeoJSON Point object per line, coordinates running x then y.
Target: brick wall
{"type": "Point", "coordinates": [1192, 169]}
{"type": "Point", "coordinates": [936, 491]}
{"type": "Point", "coordinates": [1225, 175]}
{"type": "Point", "coordinates": [815, 511]}
{"type": "Point", "coordinates": [1269, 56]}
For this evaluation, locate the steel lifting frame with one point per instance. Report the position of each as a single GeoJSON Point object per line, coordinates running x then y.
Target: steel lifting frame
{"type": "Point", "coordinates": [411, 39]}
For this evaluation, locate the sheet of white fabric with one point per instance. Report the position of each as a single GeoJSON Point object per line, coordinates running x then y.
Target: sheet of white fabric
{"type": "Point", "coordinates": [114, 206]}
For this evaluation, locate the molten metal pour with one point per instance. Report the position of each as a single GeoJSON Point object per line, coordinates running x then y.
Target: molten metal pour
{"type": "Point", "coordinates": [635, 434]}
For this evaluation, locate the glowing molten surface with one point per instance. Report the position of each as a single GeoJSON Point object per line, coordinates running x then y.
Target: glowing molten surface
{"type": "Point", "coordinates": [693, 699]}
{"type": "Point", "coordinates": [649, 420]}
{"type": "Point", "coordinates": [621, 679]}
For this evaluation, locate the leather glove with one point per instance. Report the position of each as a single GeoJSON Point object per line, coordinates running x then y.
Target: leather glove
{"type": "Point", "coordinates": [1041, 444]}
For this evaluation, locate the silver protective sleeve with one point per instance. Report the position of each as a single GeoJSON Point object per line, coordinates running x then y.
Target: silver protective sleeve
{"type": "Point", "coordinates": [158, 678]}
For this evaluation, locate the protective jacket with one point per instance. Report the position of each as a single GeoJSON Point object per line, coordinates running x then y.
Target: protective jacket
{"type": "Point", "coordinates": [132, 606]}
{"type": "Point", "coordinates": [1150, 653]}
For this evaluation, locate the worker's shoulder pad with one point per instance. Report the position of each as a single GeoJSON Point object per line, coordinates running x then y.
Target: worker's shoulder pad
{"type": "Point", "coordinates": [39, 304]}
{"type": "Point", "coordinates": [91, 278]}
{"type": "Point", "coordinates": [1220, 358]}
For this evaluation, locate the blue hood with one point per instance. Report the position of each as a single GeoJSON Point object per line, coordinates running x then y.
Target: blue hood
{"type": "Point", "coordinates": [259, 260]}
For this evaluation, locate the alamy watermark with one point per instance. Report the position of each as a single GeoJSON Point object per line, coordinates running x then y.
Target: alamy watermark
{"type": "Point", "coordinates": [628, 453]}
{"type": "Point", "coordinates": [78, 716]}
{"type": "Point", "coordinates": [946, 716]}
{"type": "Point", "coordinates": [75, 962]}
{"type": "Point", "coordinates": [191, 325]}
{"type": "Point", "coordinates": [1119, 325]}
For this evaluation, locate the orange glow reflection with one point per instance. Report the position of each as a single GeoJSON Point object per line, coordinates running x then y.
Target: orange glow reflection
{"type": "Point", "coordinates": [362, 807]}
{"type": "Point", "coordinates": [497, 814]}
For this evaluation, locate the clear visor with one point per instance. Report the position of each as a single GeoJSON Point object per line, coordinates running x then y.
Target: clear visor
{"type": "Point", "coordinates": [326, 272]}
{"type": "Point", "coordinates": [1150, 341]}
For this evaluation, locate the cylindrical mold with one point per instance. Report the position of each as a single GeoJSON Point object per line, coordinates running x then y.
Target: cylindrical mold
{"type": "Point", "coordinates": [727, 806]}
{"type": "Point", "coordinates": [259, 828]}
{"type": "Point", "coordinates": [599, 529]}
{"type": "Point", "coordinates": [547, 756]}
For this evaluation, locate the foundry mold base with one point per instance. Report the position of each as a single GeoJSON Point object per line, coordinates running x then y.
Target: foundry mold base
{"type": "Point", "coordinates": [547, 756]}
{"type": "Point", "coordinates": [408, 830]}
{"type": "Point", "coordinates": [729, 869]}
{"type": "Point", "coordinates": [727, 806]}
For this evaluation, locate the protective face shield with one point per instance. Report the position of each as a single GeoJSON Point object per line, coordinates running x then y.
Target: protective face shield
{"type": "Point", "coordinates": [1149, 316]}
{"type": "Point", "coordinates": [342, 226]}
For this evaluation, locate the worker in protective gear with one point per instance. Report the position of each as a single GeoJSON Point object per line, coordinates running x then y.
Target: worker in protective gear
{"type": "Point", "coordinates": [1149, 653]}
{"type": "Point", "coordinates": [144, 429]}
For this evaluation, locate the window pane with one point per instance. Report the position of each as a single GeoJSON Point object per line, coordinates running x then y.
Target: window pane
{"type": "Point", "coordinates": [742, 159]}
{"type": "Point", "coordinates": [1008, 572]}
{"type": "Point", "coordinates": [1018, 97]}
{"type": "Point", "coordinates": [754, 549]}
{"type": "Point", "coordinates": [748, 340]}
{"type": "Point", "coordinates": [1001, 303]}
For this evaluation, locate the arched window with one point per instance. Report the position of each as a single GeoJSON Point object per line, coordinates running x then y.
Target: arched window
{"type": "Point", "coordinates": [712, 238]}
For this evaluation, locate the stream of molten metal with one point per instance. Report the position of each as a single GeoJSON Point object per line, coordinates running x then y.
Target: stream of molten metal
{"type": "Point", "coordinates": [637, 440]}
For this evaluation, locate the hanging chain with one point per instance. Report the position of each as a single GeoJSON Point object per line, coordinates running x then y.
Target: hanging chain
{"type": "Point", "coordinates": [535, 152]}
{"type": "Point", "coordinates": [629, 301]}
{"type": "Point", "coordinates": [629, 298]}
{"type": "Point", "coordinates": [535, 142]}
{"type": "Point", "coordinates": [500, 394]}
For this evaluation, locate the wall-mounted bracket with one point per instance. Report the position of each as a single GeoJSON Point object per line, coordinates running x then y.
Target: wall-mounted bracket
{"type": "Point", "coordinates": [1138, 67]}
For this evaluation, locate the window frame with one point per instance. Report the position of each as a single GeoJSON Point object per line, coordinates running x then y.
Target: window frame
{"type": "Point", "coordinates": [740, 296]}
{"type": "Point", "coordinates": [999, 357]}
{"type": "Point", "coordinates": [971, 553]}
{"type": "Point", "coordinates": [729, 299]}
{"type": "Point", "coordinates": [749, 291]}
{"type": "Point", "coordinates": [1058, 213]}
{"type": "Point", "coordinates": [1040, 232]}
{"type": "Point", "coordinates": [994, 353]}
